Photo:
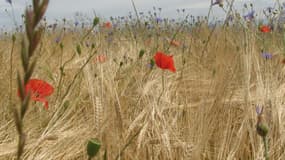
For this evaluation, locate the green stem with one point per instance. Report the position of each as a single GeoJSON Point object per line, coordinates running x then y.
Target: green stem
{"type": "Point", "coordinates": [266, 156]}
{"type": "Point", "coordinates": [209, 11]}
{"type": "Point", "coordinates": [11, 74]}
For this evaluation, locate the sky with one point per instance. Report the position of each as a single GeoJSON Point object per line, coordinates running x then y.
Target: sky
{"type": "Point", "coordinates": [59, 9]}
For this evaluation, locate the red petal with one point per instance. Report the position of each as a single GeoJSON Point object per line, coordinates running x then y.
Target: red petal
{"type": "Point", "coordinates": [39, 87]}
{"type": "Point", "coordinates": [41, 100]}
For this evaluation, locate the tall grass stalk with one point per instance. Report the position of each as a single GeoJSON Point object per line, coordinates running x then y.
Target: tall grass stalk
{"type": "Point", "coordinates": [33, 17]}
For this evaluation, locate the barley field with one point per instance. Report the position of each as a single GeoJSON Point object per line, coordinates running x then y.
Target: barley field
{"type": "Point", "coordinates": [107, 84]}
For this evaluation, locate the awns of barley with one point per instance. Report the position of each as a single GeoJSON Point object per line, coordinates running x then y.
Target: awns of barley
{"type": "Point", "coordinates": [98, 113]}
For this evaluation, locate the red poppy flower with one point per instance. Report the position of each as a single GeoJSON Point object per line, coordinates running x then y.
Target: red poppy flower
{"type": "Point", "coordinates": [264, 29]}
{"type": "Point", "coordinates": [164, 61]}
{"type": "Point", "coordinates": [39, 90]}
{"type": "Point", "coordinates": [100, 58]}
{"type": "Point", "coordinates": [107, 25]}
{"type": "Point", "coordinates": [175, 43]}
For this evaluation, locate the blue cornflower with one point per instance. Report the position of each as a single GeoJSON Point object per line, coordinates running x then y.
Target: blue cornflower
{"type": "Point", "coordinates": [76, 23]}
{"type": "Point", "coordinates": [249, 16]}
{"type": "Point", "coordinates": [158, 20]}
{"type": "Point", "coordinates": [266, 55]}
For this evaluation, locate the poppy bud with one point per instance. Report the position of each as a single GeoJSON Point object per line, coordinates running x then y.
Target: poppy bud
{"type": "Point", "coordinates": [141, 53]}
{"type": "Point", "coordinates": [92, 45]}
{"type": "Point", "coordinates": [95, 21]}
{"type": "Point", "coordinates": [93, 147]}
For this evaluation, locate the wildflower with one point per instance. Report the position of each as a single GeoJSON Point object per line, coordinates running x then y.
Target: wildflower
{"type": "Point", "coordinates": [258, 110]}
{"type": "Point", "coordinates": [218, 2]}
{"type": "Point", "coordinates": [108, 25]}
{"type": "Point", "coordinates": [39, 90]}
{"type": "Point", "coordinates": [100, 58]}
{"type": "Point", "coordinates": [175, 43]}
{"type": "Point", "coordinates": [57, 39]}
{"type": "Point", "coordinates": [261, 126]}
{"type": "Point", "coordinates": [264, 29]}
{"type": "Point", "coordinates": [150, 64]}
{"type": "Point", "coordinates": [76, 23]}
{"type": "Point", "coordinates": [164, 62]}
{"type": "Point", "coordinates": [158, 20]}
{"type": "Point", "coordinates": [266, 55]}
{"type": "Point", "coordinates": [249, 16]}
